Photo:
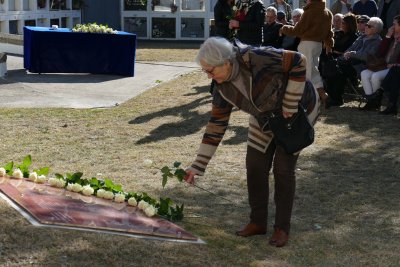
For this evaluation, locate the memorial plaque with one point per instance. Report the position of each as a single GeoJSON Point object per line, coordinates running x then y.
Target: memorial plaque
{"type": "Point", "coordinates": [59, 207]}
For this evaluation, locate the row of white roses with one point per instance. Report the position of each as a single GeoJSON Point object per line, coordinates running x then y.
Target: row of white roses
{"type": "Point", "coordinates": [86, 190]}
{"type": "Point", "coordinates": [93, 28]}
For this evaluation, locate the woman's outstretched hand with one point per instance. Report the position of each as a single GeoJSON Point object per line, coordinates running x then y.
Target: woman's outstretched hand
{"type": "Point", "coordinates": [189, 177]}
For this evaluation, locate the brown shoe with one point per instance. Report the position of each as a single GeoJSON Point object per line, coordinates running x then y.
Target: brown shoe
{"type": "Point", "coordinates": [279, 238]}
{"type": "Point", "coordinates": [252, 229]}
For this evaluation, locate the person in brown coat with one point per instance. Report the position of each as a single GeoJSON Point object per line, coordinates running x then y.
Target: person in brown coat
{"type": "Point", "coordinates": [314, 30]}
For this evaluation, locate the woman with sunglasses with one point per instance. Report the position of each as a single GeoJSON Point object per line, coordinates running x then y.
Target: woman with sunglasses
{"type": "Point", "coordinates": [246, 78]}
{"type": "Point", "coordinates": [371, 79]}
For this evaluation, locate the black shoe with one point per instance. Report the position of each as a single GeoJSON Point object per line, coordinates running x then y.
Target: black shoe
{"type": "Point", "coordinates": [333, 103]}
{"type": "Point", "coordinates": [391, 109]}
{"type": "Point", "coordinates": [368, 107]}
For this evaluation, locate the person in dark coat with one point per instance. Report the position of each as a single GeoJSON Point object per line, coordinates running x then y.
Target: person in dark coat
{"type": "Point", "coordinates": [248, 20]}
{"type": "Point", "coordinates": [271, 28]}
{"type": "Point", "coordinates": [222, 15]}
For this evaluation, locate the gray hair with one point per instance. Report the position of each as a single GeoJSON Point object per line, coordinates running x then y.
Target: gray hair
{"type": "Point", "coordinates": [271, 9]}
{"type": "Point", "coordinates": [215, 51]}
{"type": "Point", "coordinates": [297, 11]}
{"type": "Point", "coordinates": [377, 23]}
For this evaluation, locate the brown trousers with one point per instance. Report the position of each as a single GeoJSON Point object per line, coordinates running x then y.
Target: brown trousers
{"type": "Point", "coordinates": [258, 166]}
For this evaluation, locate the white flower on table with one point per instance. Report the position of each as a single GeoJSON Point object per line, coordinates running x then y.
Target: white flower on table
{"type": "Point", "coordinates": [148, 163]}
{"type": "Point", "coordinates": [55, 182]}
{"type": "Point", "coordinates": [87, 190]}
{"type": "Point", "coordinates": [100, 193]}
{"type": "Point", "coordinates": [2, 172]}
{"type": "Point", "coordinates": [143, 205]}
{"type": "Point", "coordinates": [41, 179]}
{"type": "Point", "coordinates": [108, 195]}
{"type": "Point", "coordinates": [69, 187]}
{"type": "Point", "coordinates": [77, 188]}
{"type": "Point", "coordinates": [132, 201]}
{"type": "Point", "coordinates": [119, 198]}
{"type": "Point", "coordinates": [150, 211]}
{"type": "Point", "coordinates": [32, 176]}
{"type": "Point", "coordinates": [17, 173]}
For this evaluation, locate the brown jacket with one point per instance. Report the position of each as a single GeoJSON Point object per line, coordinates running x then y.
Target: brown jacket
{"type": "Point", "coordinates": [315, 24]}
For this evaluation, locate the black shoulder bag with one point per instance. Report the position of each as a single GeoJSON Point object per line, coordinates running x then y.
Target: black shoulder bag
{"type": "Point", "coordinates": [293, 134]}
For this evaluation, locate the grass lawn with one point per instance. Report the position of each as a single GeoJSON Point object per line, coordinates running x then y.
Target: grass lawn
{"type": "Point", "coordinates": [347, 205]}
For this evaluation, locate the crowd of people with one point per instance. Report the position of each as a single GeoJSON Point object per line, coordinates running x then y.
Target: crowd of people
{"type": "Point", "coordinates": [354, 36]}
{"type": "Point", "coordinates": [252, 72]}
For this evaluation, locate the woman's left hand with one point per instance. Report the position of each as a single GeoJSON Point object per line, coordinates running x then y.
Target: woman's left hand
{"type": "Point", "coordinates": [287, 114]}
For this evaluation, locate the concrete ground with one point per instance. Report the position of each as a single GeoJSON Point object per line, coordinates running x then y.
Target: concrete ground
{"type": "Point", "coordinates": [21, 89]}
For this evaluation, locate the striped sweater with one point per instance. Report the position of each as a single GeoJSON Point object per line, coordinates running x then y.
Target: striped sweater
{"type": "Point", "coordinates": [263, 69]}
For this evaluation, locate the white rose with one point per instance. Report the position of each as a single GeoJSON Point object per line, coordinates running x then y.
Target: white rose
{"type": "Point", "coordinates": [17, 173]}
{"type": "Point", "coordinates": [41, 179]}
{"type": "Point", "coordinates": [87, 190]}
{"type": "Point", "coordinates": [150, 211]}
{"type": "Point", "coordinates": [143, 205]}
{"type": "Point", "coordinates": [132, 201]}
{"type": "Point", "coordinates": [100, 193]}
{"type": "Point", "coordinates": [77, 188]}
{"type": "Point", "coordinates": [61, 183]}
{"type": "Point", "coordinates": [234, 8]}
{"type": "Point", "coordinates": [32, 176]}
{"type": "Point", "coordinates": [53, 182]}
{"type": "Point", "coordinates": [69, 187]}
{"type": "Point", "coordinates": [108, 195]}
{"type": "Point", "coordinates": [119, 198]}
{"type": "Point", "coordinates": [148, 163]}
{"type": "Point", "coordinates": [2, 172]}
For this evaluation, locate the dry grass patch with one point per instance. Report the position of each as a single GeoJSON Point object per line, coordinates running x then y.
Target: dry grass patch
{"type": "Point", "coordinates": [348, 184]}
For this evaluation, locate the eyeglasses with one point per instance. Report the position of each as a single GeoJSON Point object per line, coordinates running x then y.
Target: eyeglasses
{"type": "Point", "coordinates": [210, 71]}
{"type": "Point", "coordinates": [361, 21]}
{"type": "Point", "coordinates": [369, 26]}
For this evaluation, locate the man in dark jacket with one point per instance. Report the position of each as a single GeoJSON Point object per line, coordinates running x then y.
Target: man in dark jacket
{"type": "Point", "coordinates": [271, 29]}
{"type": "Point", "coordinates": [248, 21]}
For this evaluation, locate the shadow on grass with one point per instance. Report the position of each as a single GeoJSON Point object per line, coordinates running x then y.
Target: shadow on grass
{"type": "Point", "coordinates": [21, 75]}
{"type": "Point", "coordinates": [191, 123]}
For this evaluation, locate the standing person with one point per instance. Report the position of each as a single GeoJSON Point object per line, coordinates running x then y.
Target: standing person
{"type": "Point", "coordinates": [365, 7]}
{"type": "Point", "coordinates": [341, 6]}
{"type": "Point", "coordinates": [281, 5]}
{"type": "Point", "coordinates": [275, 69]}
{"type": "Point", "coordinates": [248, 21]}
{"type": "Point", "coordinates": [271, 29]}
{"type": "Point", "coordinates": [222, 15]}
{"type": "Point", "coordinates": [386, 11]}
{"type": "Point", "coordinates": [313, 29]}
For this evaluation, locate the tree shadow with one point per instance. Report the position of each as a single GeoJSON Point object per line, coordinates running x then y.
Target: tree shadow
{"type": "Point", "coordinates": [191, 123]}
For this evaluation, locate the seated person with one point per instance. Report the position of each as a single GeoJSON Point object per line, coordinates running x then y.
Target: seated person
{"type": "Point", "coordinates": [346, 36]}
{"type": "Point", "coordinates": [361, 22]}
{"type": "Point", "coordinates": [337, 21]}
{"type": "Point", "coordinates": [390, 85]}
{"type": "Point", "coordinates": [389, 50]}
{"type": "Point", "coordinates": [352, 62]}
{"type": "Point", "coordinates": [271, 28]}
{"type": "Point", "coordinates": [281, 18]}
{"type": "Point", "coordinates": [291, 42]}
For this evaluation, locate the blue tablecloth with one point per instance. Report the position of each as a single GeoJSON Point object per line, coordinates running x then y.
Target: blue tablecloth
{"type": "Point", "coordinates": [63, 51]}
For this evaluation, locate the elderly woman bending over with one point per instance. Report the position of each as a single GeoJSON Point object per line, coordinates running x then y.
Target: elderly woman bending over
{"type": "Point", "coordinates": [245, 78]}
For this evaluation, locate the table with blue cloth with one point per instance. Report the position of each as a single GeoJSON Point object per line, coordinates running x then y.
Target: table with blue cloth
{"type": "Point", "coordinates": [48, 50]}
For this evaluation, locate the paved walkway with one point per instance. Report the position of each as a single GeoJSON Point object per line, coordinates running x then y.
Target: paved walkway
{"type": "Point", "coordinates": [21, 89]}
